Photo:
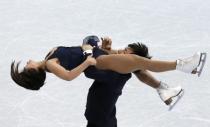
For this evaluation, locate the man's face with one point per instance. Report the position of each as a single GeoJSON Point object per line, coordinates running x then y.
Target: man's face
{"type": "Point", "coordinates": [127, 50]}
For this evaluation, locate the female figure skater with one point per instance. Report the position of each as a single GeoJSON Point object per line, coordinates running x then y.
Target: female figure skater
{"type": "Point", "coordinates": [69, 62]}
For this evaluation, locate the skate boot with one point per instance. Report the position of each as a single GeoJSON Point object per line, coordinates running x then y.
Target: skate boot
{"type": "Point", "coordinates": [167, 94]}
{"type": "Point", "coordinates": [191, 64]}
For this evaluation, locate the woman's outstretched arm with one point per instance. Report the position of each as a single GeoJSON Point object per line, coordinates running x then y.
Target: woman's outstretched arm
{"type": "Point", "coordinates": [68, 75]}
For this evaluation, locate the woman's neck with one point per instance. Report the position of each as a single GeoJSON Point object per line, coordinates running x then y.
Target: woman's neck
{"type": "Point", "coordinates": [42, 64]}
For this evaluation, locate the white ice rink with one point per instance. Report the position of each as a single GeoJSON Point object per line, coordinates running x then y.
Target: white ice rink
{"type": "Point", "coordinates": [171, 28]}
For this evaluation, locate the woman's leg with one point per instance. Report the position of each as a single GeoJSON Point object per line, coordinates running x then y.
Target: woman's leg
{"type": "Point", "coordinates": [147, 78]}
{"type": "Point", "coordinates": [126, 63]}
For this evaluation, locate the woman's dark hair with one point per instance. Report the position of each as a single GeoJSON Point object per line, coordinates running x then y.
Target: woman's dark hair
{"type": "Point", "coordinates": [140, 49]}
{"type": "Point", "coordinates": [29, 78]}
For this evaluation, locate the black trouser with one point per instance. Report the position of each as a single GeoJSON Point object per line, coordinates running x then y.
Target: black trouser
{"type": "Point", "coordinates": [93, 125]}
{"type": "Point", "coordinates": [102, 97]}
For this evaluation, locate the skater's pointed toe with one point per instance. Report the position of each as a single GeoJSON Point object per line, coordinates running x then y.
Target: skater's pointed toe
{"type": "Point", "coordinates": [190, 64]}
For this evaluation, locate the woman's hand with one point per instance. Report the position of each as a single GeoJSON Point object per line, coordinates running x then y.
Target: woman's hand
{"type": "Point", "coordinates": [91, 60]}
{"type": "Point", "coordinates": [87, 47]}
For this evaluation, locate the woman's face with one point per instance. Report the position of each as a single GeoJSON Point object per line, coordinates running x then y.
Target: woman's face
{"type": "Point", "coordinates": [31, 65]}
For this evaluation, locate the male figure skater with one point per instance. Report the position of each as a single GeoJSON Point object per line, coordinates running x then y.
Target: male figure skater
{"type": "Point", "coordinates": [108, 85]}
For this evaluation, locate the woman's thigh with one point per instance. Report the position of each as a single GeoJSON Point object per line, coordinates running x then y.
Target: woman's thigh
{"type": "Point", "coordinates": [122, 63]}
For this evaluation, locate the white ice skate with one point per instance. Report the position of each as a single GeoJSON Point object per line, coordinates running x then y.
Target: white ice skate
{"type": "Point", "coordinates": [193, 64]}
{"type": "Point", "coordinates": [170, 96]}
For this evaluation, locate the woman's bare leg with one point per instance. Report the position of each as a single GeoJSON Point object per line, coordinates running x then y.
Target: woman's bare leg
{"type": "Point", "coordinates": [147, 78]}
{"type": "Point", "coordinates": [127, 63]}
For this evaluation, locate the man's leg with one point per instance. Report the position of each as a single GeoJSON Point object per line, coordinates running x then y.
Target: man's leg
{"type": "Point", "coordinates": [102, 96]}
{"type": "Point", "coordinates": [100, 107]}
{"type": "Point", "coordinates": [91, 125]}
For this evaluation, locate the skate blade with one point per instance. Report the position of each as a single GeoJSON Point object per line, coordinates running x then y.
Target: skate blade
{"type": "Point", "coordinates": [176, 99]}
{"type": "Point", "coordinates": [169, 101]}
{"type": "Point", "coordinates": [201, 64]}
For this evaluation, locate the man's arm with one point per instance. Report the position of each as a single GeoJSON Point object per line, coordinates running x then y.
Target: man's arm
{"type": "Point", "coordinates": [107, 46]}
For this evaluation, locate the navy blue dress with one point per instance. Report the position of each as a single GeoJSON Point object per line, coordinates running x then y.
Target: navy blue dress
{"type": "Point", "coordinates": [69, 57]}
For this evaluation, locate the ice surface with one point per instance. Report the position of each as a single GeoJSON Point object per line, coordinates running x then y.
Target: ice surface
{"type": "Point", "coordinates": [171, 29]}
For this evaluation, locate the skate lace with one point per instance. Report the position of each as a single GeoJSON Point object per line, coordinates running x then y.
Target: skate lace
{"type": "Point", "coordinates": [165, 85]}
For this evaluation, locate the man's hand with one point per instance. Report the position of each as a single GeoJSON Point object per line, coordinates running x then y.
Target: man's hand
{"type": "Point", "coordinates": [106, 43]}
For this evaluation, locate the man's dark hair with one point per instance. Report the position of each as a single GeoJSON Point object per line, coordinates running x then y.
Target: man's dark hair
{"type": "Point", "coordinates": [28, 78]}
{"type": "Point", "coordinates": [140, 49]}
